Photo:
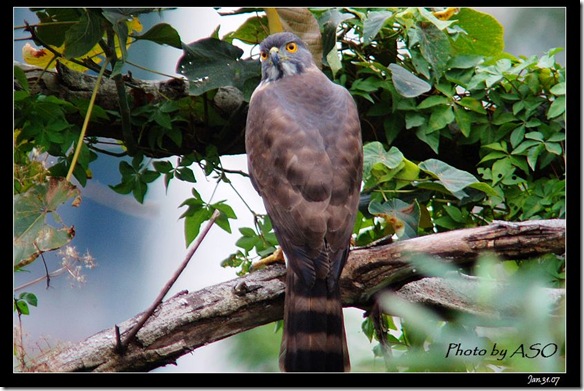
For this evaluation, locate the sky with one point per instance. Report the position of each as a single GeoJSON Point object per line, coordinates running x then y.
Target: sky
{"type": "Point", "coordinates": [138, 247]}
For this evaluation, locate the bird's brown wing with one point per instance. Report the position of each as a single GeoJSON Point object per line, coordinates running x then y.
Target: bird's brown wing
{"type": "Point", "coordinates": [303, 142]}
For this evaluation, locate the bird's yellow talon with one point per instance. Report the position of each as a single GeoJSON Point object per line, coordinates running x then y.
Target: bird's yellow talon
{"type": "Point", "coordinates": [276, 256]}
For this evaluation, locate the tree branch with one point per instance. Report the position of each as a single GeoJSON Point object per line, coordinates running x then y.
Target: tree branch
{"type": "Point", "coordinates": [190, 320]}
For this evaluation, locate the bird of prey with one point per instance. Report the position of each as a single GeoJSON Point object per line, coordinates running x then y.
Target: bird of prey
{"type": "Point", "coordinates": [305, 158]}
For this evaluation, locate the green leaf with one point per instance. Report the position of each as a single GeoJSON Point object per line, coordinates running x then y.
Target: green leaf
{"type": "Point", "coordinates": [20, 76]}
{"type": "Point", "coordinates": [558, 107]}
{"type": "Point", "coordinates": [210, 63]}
{"type": "Point", "coordinates": [32, 233]}
{"type": "Point", "coordinates": [403, 217]}
{"type": "Point", "coordinates": [30, 298]}
{"type": "Point", "coordinates": [517, 136]}
{"type": "Point", "coordinates": [226, 214]}
{"type": "Point", "coordinates": [163, 34]}
{"type": "Point", "coordinates": [193, 224]}
{"type": "Point", "coordinates": [434, 46]}
{"type": "Point", "coordinates": [559, 89]}
{"type": "Point", "coordinates": [465, 61]}
{"type": "Point", "coordinates": [374, 154]}
{"type": "Point", "coordinates": [22, 307]}
{"type": "Point", "coordinates": [247, 242]}
{"type": "Point", "coordinates": [554, 148]}
{"type": "Point", "coordinates": [374, 22]}
{"type": "Point", "coordinates": [434, 100]}
{"type": "Point", "coordinates": [185, 174]}
{"type": "Point", "coordinates": [484, 34]}
{"type": "Point", "coordinates": [414, 119]}
{"type": "Point", "coordinates": [472, 104]}
{"type": "Point", "coordinates": [252, 31]}
{"type": "Point", "coordinates": [51, 29]}
{"type": "Point", "coordinates": [484, 187]}
{"type": "Point", "coordinates": [452, 178]}
{"type": "Point", "coordinates": [406, 84]}
{"type": "Point", "coordinates": [333, 61]}
{"type": "Point", "coordinates": [163, 166]}
{"type": "Point", "coordinates": [430, 137]}
{"type": "Point", "coordinates": [246, 231]}
{"type": "Point", "coordinates": [464, 120]}
{"type": "Point", "coordinates": [502, 169]}
{"type": "Point", "coordinates": [440, 117]}
{"type": "Point", "coordinates": [84, 35]}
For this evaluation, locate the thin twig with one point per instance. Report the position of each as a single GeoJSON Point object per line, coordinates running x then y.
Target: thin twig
{"type": "Point", "coordinates": [122, 345]}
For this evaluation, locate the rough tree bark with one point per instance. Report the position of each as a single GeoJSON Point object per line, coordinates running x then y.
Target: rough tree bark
{"type": "Point", "coordinates": [187, 321]}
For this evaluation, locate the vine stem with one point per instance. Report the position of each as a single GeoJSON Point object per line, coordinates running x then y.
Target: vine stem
{"type": "Point", "coordinates": [86, 121]}
{"type": "Point", "coordinates": [122, 345]}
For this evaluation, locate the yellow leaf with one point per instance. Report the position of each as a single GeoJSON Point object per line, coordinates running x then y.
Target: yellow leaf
{"type": "Point", "coordinates": [40, 57]}
{"type": "Point", "coordinates": [134, 25]}
{"type": "Point", "coordinates": [446, 14]}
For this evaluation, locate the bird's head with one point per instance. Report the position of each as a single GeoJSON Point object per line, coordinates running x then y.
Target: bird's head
{"type": "Point", "coordinates": [282, 55]}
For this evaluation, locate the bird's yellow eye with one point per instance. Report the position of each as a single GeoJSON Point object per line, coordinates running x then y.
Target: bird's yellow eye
{"type": "Point", "coordinates": [263, 55]}
{"type": "Point", "coordinates": [291, 47]}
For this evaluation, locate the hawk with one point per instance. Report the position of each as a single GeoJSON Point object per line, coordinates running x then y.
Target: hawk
{"type": "Point", "coordinates": [305, 158]}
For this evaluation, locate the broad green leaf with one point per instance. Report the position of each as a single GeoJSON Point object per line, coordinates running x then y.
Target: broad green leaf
{"type": "Point", "coordinates": [407, 84]}
{"type": "Point", "coordinates": [484, 34]}
{"type": "Point", "coordinates": [333, 61]}
{"type": "Point", "coordinates": [407, 174]}
{"type": "Point", "coordinates": [247, 242]}
{"type": "Point", "coordinates": [252, 31]}
{"type": "Point", "coordinates": [501, 169]}
{"type": "Point", "coordinates": [452, 178]}
{"type": "Point", "coordinates": [430, 137]}
{"type": "Point", "coordinates": [374, 22]}
{"type": "Point", "coordinates": [558, 107]}
{"type": "Point", "coordinates": [465, 61]}
{"type": "Point", "coordinates": [32, 233]}
{"type": "Point", "coordinates": [472, 104]}
{"type": "Point", "coordinates": [441, 116]}
{"type": "Point", "coordinates": [51, 30]}
{"type": "Point", "coordinates": [434, 100]}
{"type": "Point", "coordinates": [404, 218]}
{"type": "Point", "coordinates": [434, 46]}
{"type": "Point", "coordinates": [374, 153]}
{"type": "Point", "coordinates": [84, 35]}
{"type": "Point", "coordinates": [517, 136]}
{"type": "Point", "coordinates": [559, 89]}
{"type": "Point", "coordinates": [210, 63]}
{"type": "Point", "coordinates": [415, 119]}
{"type": "Point", "coordinates": [493, 155]}
{"type": "Point", "coordinates": [226, 214]}
{"type": "Point", "coordinates": [246, 231]}
{"type": "Point", "coordinates": [193, 224]}
{"type": "Point", "coordinates": [163, 34]}
{"type": "Point", "coordinates": [464, 120]}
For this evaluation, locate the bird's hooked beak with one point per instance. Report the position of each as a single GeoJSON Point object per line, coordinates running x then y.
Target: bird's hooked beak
{"type": "Point", "coordinates": [275, 56]}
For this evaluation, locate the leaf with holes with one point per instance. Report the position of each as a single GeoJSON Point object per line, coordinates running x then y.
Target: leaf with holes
{"type": "Point", "coordinates": [210, 63]}
{"type": "Point", "coordinates": [404, 218]}
{"type": "Point", "coordinates": [33, 235]}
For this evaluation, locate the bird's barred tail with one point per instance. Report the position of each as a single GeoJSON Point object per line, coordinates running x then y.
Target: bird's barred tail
{"type": "Point", "coordinates": [314, 333]}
